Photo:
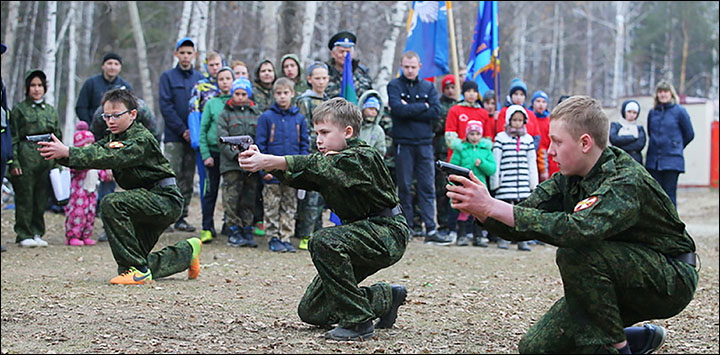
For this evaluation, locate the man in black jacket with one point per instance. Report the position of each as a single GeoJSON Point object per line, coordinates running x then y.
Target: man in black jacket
{"type": "Point", "coordinates": [96, 86]}
{"type": "Point", "coordinates": [414, 106]}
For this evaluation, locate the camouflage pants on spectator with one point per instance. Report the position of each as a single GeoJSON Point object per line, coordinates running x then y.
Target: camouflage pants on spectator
{"type": "Point", "coordinates": [238, 197]}
{"type": "Point", "coordinates": [309, 214]}
{"type": "Point", "coordinates": [182, 161]}
{"type": "Point", "coordinates": [280, 205]}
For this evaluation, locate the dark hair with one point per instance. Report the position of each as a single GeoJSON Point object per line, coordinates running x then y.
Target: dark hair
{"type": "Point", "coordinates": [35, 74]}
{"type": "Point", "coordinates": [120, 96]}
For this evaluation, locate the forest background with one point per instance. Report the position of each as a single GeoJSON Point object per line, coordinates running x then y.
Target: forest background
{"type": "Point", "coordinates": [607, 50]}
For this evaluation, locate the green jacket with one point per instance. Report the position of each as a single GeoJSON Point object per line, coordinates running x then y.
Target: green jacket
{"type": "Point", "coordinates": [354, 182]}
{"type": "Point", "coordinates": [301, 84]}
{"type": "Point", "coordinates": [469, 153]}
{"type": "Point", "coordinates": [235, 121]}
{"type": "Point", "coordinates": [616, 201]}
{"type": "Point", "coordinates": [29, 118]}
{"type": "Point", "coordinates": [208, 125]}
{"type": "Point", "coordinates": [134, 157]}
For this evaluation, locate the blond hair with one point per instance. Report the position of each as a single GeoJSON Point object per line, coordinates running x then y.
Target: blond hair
{"type": "Point", "coordinates": [284, 82]}
{"type": "Point", "coordinates": [666, 86]}
{"type": "Point", "coordinates": [583, 114]}
{"type": "Point", "coordinates": [340, 112]}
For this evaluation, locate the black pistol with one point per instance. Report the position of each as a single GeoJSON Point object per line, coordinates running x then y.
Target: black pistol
{"type": "Point", "coordinates": [47, 137]}
{"type": "Point", "coordinates": [452, 169]}
{"type": "Point", "coordinates": [240, 143]}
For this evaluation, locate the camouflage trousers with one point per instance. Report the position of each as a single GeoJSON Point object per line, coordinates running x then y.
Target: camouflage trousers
{"type": "Point", "coordinates": [609, 286]}
{"type": "Point", "coordinates": [279, 206]}
{"type": "Point", "coordinates": [182, 161]}
{"type": "Point", "coordinates": [135, 219]}
{"type": "Point", "coordinates": [344, 256]}
{"type": "Point", "coordinates": [238, 197]}
{"type": "Point", "coordinates": [309, 214]}
{"type": "Point", "coordinates": [32, 190]}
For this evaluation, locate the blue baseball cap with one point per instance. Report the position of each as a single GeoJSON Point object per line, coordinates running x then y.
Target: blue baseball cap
{"type": "Point", "coordinates": [183, 41]}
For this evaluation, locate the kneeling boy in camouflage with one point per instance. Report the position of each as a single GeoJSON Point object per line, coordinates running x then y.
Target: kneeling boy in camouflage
{"type": "Point", "coordinates": [134, 218]}
{"type": "Point", "coordinates": [353, 180]}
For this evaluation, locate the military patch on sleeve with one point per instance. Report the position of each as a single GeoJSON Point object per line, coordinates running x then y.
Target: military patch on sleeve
{"type": "Point", "coordinates": [585, 204]}
{"type": "Point", "coordinates": [116, 145]}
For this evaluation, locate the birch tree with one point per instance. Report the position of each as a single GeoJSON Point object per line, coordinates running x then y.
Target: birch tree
{"type": "Point", "coordinates": [554, 47]}
{"type": "Point", "coordinates": [198, 29]}
{"type": "Point", "coordinates": [50, 50]}
{"type": "Point", "coordinates": [142, 55]}
{"type": "Point", "coordinates": [387, 59]}
{"type": "Point", "coordinates": [620, 8]}
{"type": "Point", "coordinates": [184, 24]}
{"type": "Point", "coordinates": [308, 29]}
{"type": "Point", "coordinates": [212, 20]}
{"type": "Point", "coordinates": [10, 30]}
{"type": "Point", "coordinates": [87, 31]}
{"type": "Point", "coordinates": [268, 47]}
{"type": "Point", "coordinates": [69, 128]}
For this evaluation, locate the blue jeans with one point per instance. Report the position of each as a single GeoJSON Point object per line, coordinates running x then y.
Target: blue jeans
{"type": "Point", "coordinates": [415, 162]}
{"type": "Point", "coordinates": [212, 184]}
{"type": "Point", "coordinates": [668, 180]}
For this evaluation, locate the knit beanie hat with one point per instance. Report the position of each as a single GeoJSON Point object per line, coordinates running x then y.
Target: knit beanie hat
{"type": "Point", "coordinates": [468, 85]}
{"type": "Point", "coordinates": [517, 84]}
{"type": "Point", "coordinates": [537, 94]}
{"type": "Point", "coordinates": [232, 72]}
{"type": "Point", "coordinates": [82, 135]}
{"type": "Point", "coordinates": [629, 105]}
{"type": "Point", "coordinates": [447, 80]}
{"type": "Point", "coordinates": [242, 83]}
{"type": "Point", "coordinates": [490, 94]}
{"type": "Point", "coordinates": [112, 56]}
{"type": "Point", "coordinates": [473, 126]}
{"type": "Point", "coordinates": [372, 102]}
{"type": "Point", "coordinates": [512, 109]}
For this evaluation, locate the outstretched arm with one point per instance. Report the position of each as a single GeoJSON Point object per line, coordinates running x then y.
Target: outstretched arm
{"type": "Point", "coordinates": [252, 160]}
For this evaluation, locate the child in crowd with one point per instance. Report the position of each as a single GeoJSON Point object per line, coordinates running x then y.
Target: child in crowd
{"type": "Point", "coordinates": [490, 106]}
{"type": "Point", "coordinates": [310, 208]}
{"type": "Point", "coordinates": [292, 69]}
{"type": "Point", "coordinates": [281, 130]}
{"type": "Point", "coordinates": [518, 95]}
{"type": "Point", "coordinates": [546, 163]}
{"type": "Point", "coordinates": [353, 179]}
{"type": "Point", "coordinates": [240, 69]}
{"type": "Point", "coordinates": [210, 151]}
{"type": "Point", "coordinates": [516, 175]}
{"type": "Point", "coordinates": [238, 117]}
{"type": "Point", "coordinates": [80, 210]}
{"type": "Point", "coordinates": [470, 109]}
{"type": "Point", "coordinates": [627, 134]}
{"type": "Point", "coordinates": [371, 132]}
{"type": "Point", "coordinates": [476, 154]}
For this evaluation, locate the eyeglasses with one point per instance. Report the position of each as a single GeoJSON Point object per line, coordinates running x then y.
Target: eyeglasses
{"type": "Point", "coordinates": [114, 116]}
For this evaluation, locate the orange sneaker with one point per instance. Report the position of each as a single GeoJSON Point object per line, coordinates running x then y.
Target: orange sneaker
{"type": "Point", "coordinates": [132, 277]}
{"type": "Point", "coordinates": [194, 268]}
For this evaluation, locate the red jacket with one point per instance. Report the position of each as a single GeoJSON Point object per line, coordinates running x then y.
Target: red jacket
{"type": "Point", "coordinates": [458, 117]}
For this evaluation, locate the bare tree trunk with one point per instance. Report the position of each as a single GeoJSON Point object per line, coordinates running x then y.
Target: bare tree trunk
{"type": "Point", "coordinates": [213, 20]}
{"type": "Point", "coordinates": [554, 48]}
{"type": "Point", "coordinates": [523, 37]}
{"type": "Point", "coordinates": [50, 50]}
{"type": "Point", "coordinates": [69, 127]}
{"type": "Point", "coordinates": [620, 8]}
{"type": "Point", "coordinates": [31, 42]}
{"type": "Point", "coordinates": [184, 23]}
{"type": "Point", "coordinates": [669, 55]}
{"type": "Point", "coordinates": [142, 55]}
{"type": "Point", "coordinates": [270, 31]}
{"type": "Point", "coordinates": [87, 31]}
{"type": "Point", "coordinates": [199, 29]}
{"type": "Point", "coordinates": [589, 50]}
{"type": "Point", "coordinates": [289, 29]}
{"type": "Point", "coordinates": [561, 55]}
{"type": "Point", "coordinates": [308, 29]}
{"type": "Point", "coordinates": [714, 91]}
{"type": "Point", "coordinates": [10, 30]}
{"type": "Point", "coordinates": [59, 70]}
{"type": "Point", "coordinates": [683, 65]}
{"type": "Point", "coordinates": [387, 59]}
{"type": "Point", "coordinates": [652, 68]}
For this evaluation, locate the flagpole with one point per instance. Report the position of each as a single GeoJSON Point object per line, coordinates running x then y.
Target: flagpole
{"type": "Point", "coordinates": [453, 49]}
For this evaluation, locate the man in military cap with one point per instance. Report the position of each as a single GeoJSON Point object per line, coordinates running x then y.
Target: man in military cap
{"type": "Point", "coordinates": [624, 254]}
{"type": "Point", "coordinates": [339, 44]}
{"type": "Point", "coordinates": [134, 218]}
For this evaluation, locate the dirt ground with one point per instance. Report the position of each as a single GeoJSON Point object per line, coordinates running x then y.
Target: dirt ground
{"type": "Point", "coordinates": [460, 299]}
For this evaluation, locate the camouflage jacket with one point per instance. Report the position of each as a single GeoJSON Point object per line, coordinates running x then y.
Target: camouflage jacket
{"type": "Point", "coordinates": [354, 182]}
{"type": "Point", "coordinates": [440, 147]}
{"type": "Point", "coordinates": [616, 201]}
{"type": "Point", "coordinates": [134, 157]}
{"type": "Point", "coordinates": [307, 103]}
{"type": "Point", "coordinates": [235, 120]}
{"type": "Point", "coordinates": [29, 118]}
{"type": "Point", "coordinates": [262, 97]}
{"type": "Point", "coordinates": [361, 78]}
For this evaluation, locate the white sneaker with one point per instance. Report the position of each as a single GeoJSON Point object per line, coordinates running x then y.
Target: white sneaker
{"type": "Point", "coordinates": [28, 243]}
{"type": "Point", "coordinates": [39, 241]}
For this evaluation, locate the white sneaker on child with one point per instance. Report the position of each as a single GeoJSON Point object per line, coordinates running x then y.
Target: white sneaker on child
{"type": "Point", "coordinates": [28, 243]}
{"type": "Point", "coordinates": [39, 241]}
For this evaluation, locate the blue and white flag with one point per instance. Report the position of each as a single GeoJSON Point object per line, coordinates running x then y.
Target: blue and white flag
{"type": "Point", "coordinates": [484, 63]}
{"type": "Point", "coordinates": [427, 34]}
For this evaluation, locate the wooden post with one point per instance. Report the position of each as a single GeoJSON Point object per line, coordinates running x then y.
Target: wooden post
{"type": "Point", "coordinates": [453, 49]}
